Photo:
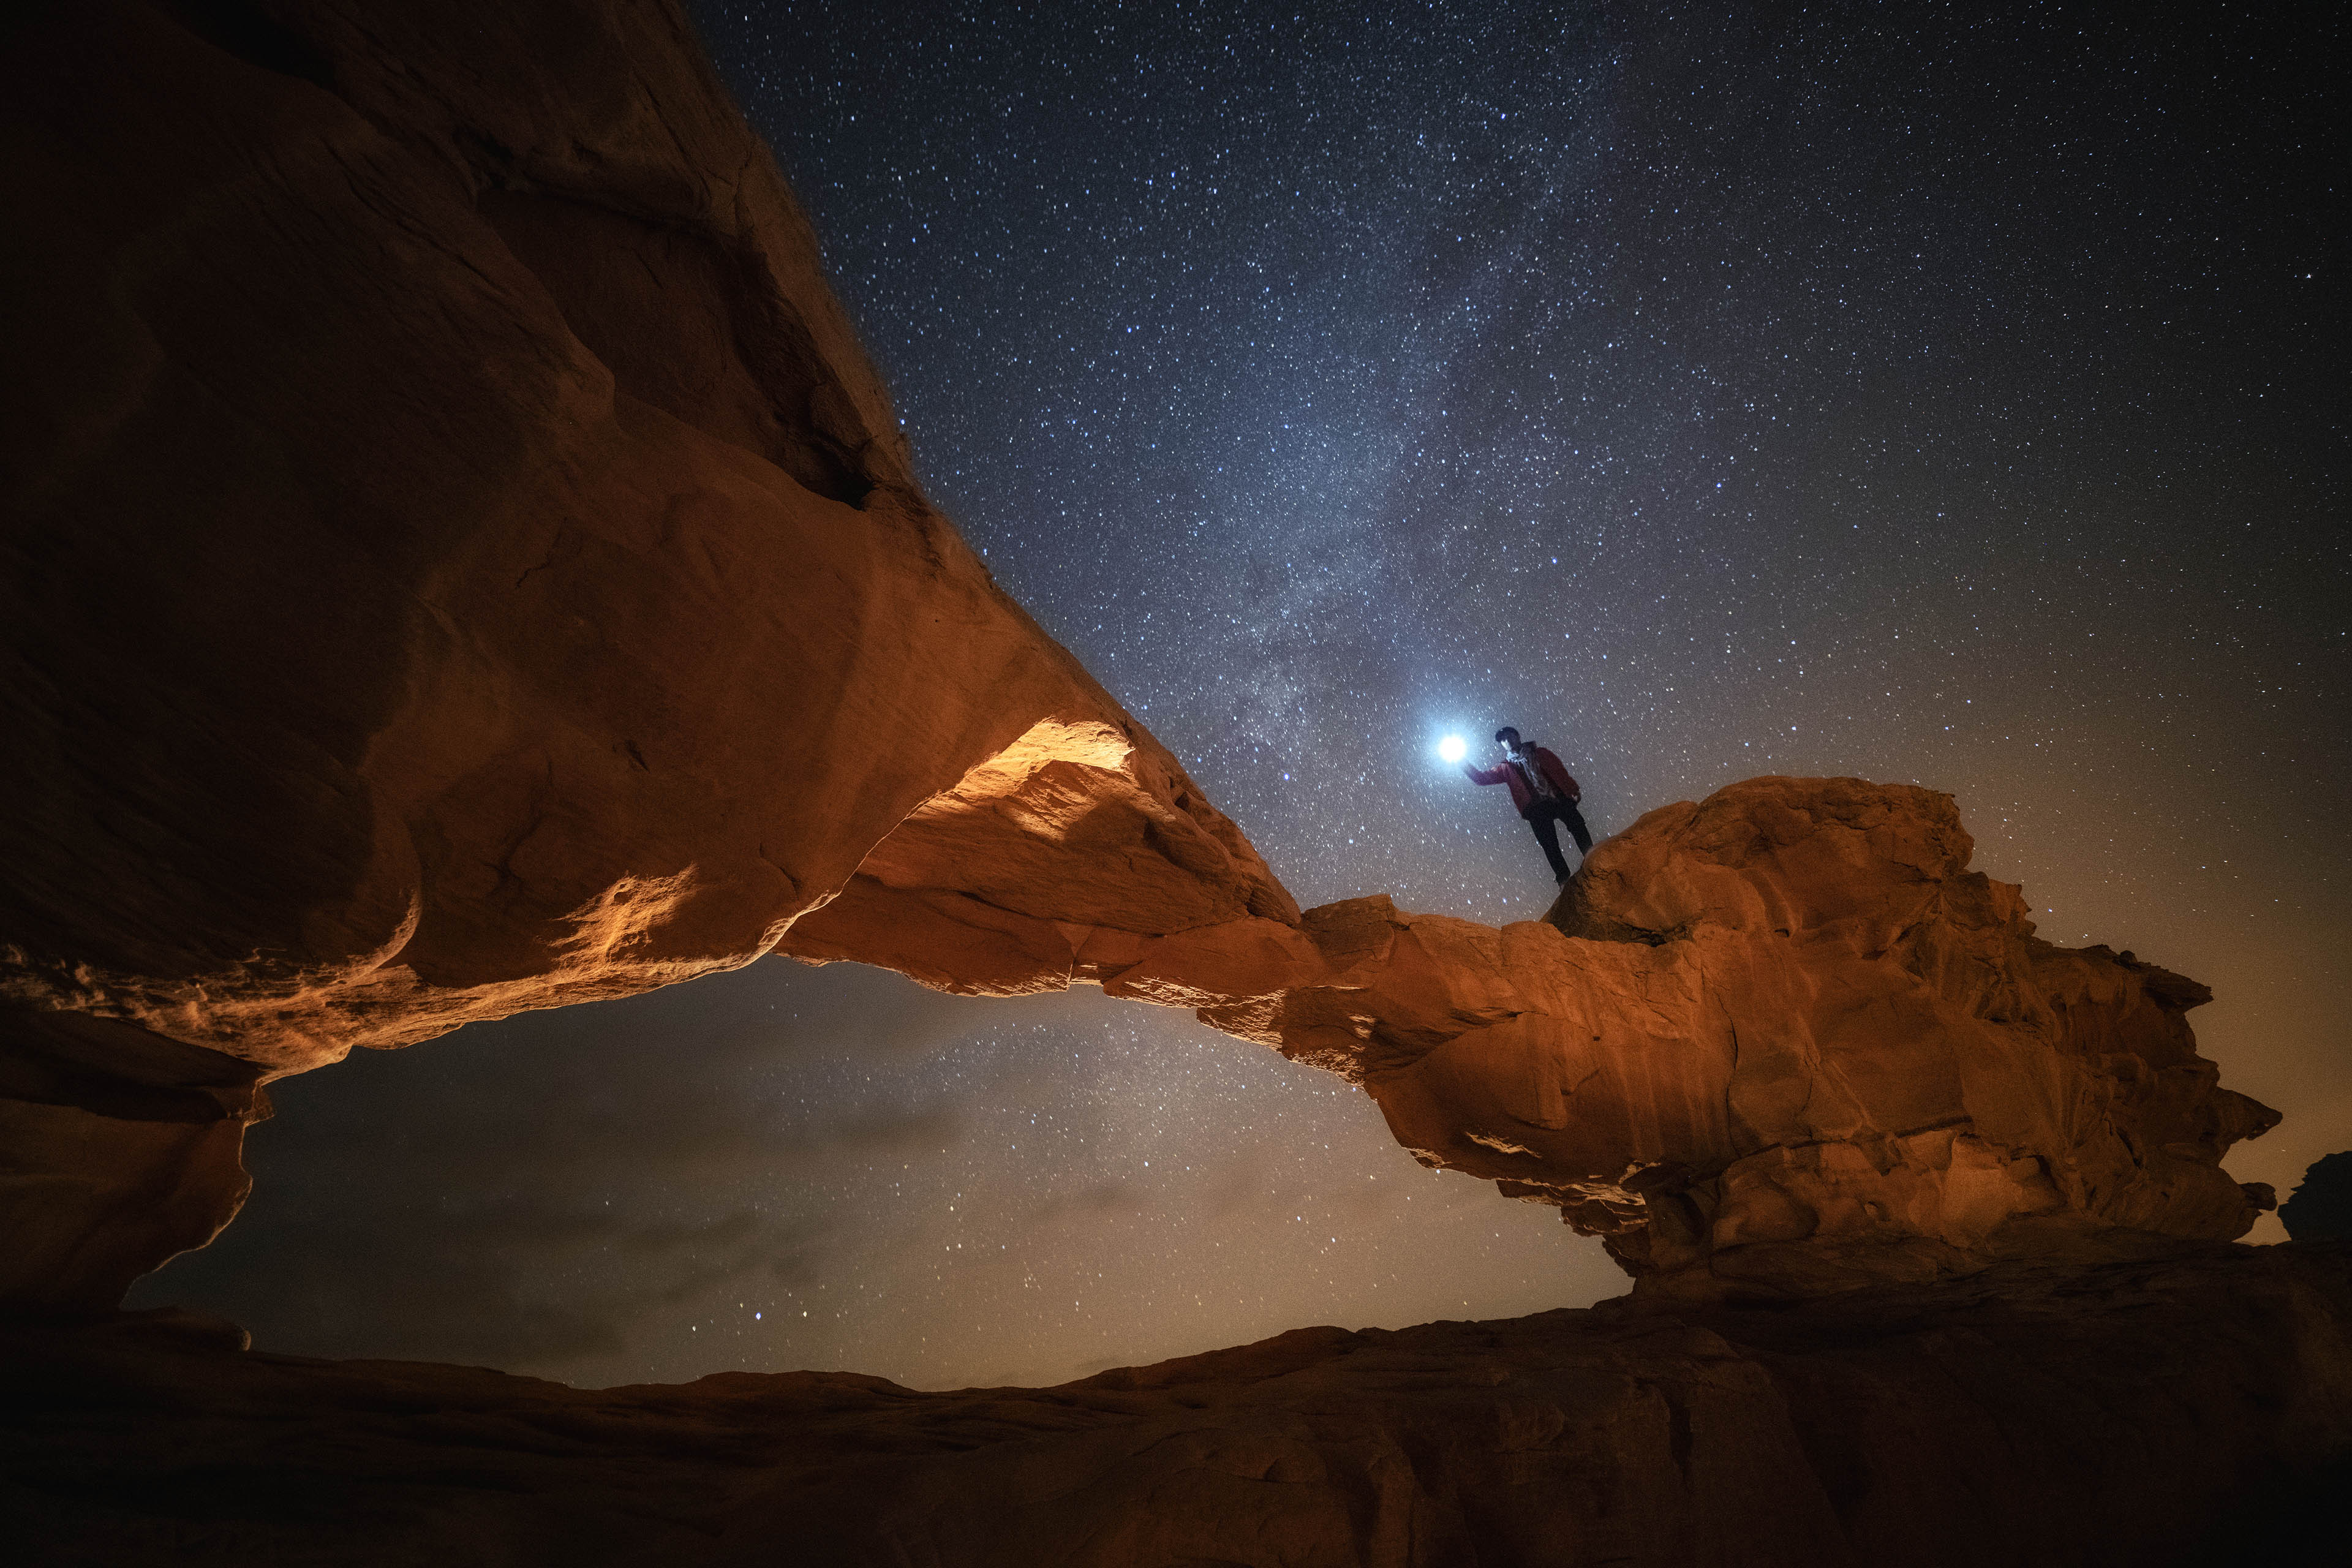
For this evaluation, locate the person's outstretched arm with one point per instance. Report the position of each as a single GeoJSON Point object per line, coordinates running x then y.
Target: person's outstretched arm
{"type": "Point", "coordinates": [1498, 774]}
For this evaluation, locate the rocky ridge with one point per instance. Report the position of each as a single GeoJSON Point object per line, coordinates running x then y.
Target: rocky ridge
{"type": "Point", "coordinates": [2192, 1408]}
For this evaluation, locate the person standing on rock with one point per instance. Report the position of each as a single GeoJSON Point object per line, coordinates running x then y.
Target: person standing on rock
{"type": "Point", "coordinates": [1542, 791]}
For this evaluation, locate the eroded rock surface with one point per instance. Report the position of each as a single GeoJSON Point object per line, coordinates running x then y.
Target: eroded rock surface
{"type": "Point", "coordinates": [2320, 1208]}
{"type": "Point", "coordinates": [460, 558]}
{"type": "Point", "coordinates": [2192, 1409]}
{"type": "Point", "coordinates": [1782, 1041]}
{"type": "Point", "coordinates": [1059, 859]}
{"type": "Point", "coordinates": [118, 1149]}
{"type": "Point", "coordinates": [457, 560]}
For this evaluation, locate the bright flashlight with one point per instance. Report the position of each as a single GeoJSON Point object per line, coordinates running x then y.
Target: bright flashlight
{"type": "Point", "coordinates": [1452, 748]}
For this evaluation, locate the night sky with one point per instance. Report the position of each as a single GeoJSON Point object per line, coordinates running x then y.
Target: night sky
{"type": "Point", "coordinates": [1863, 390]}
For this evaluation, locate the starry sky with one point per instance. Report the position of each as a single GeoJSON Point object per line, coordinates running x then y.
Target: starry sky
{"type": "Point", "coordinates": [1908, 391]}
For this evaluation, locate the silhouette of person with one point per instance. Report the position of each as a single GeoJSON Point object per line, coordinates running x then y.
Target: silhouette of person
{"type": "Point", "coordinates": [1542, 791]}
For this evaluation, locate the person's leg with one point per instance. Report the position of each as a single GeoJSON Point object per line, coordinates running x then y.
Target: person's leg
{"type": "Point", "coordinates": [1576, 829]}
{"type": "Point", "coordinates": [1548, 835]}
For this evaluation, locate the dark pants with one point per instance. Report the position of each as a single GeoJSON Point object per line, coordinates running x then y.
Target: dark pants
{"type": "Point", "coordinates": [1545, 817]}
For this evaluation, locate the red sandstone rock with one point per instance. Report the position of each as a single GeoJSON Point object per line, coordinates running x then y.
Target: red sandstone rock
{"type": "Point", "coordinates": [1782, 1041]}
{"type": "Point", "coordinates": [1790, 1042]}
{"type": "Point", "coordinates": [510, 589]}
{"type": "Point", "coordinates": [459, 560]}
{"type": "Point", "coordinates": [1055, 861]}
{"type": "Point", "coordinates": [118, 1148]}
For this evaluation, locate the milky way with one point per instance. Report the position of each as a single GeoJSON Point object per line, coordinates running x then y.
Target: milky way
{"type": "Point", "coordinates": [1856, 392]}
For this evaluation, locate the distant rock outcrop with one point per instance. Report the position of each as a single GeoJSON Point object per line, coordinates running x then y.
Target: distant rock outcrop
{"type": "Point", "coordinates": [2320, 1208]}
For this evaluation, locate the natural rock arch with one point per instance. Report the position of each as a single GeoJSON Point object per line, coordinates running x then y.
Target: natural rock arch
{"type": "Point", "coordinates": [461, 561]}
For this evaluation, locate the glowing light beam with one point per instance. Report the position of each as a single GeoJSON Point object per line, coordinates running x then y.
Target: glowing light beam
{"type": "Point", "coordinates": [1452, 748]}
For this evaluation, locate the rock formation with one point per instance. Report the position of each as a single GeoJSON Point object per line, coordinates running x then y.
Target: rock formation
{"type": "Point", "coordinates": [1782, 1041]}
{"type": "Point", "coordinates": [461, 561]}
{"type": "Point", "coordinates": [457, 560]}
{"type": "Point", "coordinates": [2194, 1409]}
{"type": "Point", "coordinates": [2320, 1208]}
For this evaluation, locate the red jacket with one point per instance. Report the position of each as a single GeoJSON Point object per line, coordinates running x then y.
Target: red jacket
{"type": "Point", "coordinates": [1521, 795]}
